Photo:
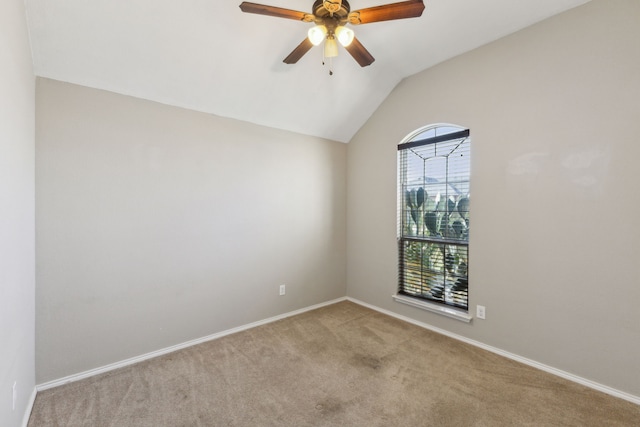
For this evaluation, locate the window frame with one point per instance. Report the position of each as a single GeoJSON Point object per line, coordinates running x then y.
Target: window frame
{"type": "Point", "coordinates": [440, 305]}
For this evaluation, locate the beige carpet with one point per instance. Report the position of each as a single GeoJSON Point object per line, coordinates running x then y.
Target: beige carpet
{"type": "Point", "coordinates": [341, 365]}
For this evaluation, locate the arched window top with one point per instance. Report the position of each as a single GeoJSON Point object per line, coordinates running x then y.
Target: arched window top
{"type": "Point", "coordinates": [431, 131]}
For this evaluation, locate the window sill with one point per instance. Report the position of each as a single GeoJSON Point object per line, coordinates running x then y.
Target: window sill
{"type": "Point", "coordinates": [450, 312]}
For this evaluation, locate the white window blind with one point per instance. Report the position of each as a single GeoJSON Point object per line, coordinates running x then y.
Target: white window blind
{"type": "Point", "coordinates": [433, 215]}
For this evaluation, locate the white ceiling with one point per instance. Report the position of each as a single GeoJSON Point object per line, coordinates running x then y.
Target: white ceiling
{"type": "Point", "coordinates": [207, 55]}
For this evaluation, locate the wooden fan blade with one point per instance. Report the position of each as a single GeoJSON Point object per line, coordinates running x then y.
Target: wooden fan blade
{"type": "Point", "coordinates": [298, 52]}
{"type": "Point", "coordinates": [278, 12]}
{"type": "Point", "coordinates": [360, 53]}
{"type": "Point", "coordinates": [387, 12]}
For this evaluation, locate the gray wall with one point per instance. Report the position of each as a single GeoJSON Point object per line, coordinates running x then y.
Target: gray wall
{"type": "Point", "coordinates": [17, 241]}
{"type": "Point", "coordinates": [157, 225]}
{"type": "Point", "coordinates": [553, 112]}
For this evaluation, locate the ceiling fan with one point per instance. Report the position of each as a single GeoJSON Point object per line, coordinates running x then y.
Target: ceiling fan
{"type": "Point", "coordinates": [331, 18]}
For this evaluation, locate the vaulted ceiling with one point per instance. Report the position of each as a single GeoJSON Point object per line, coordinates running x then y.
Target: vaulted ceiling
{"type": "Point", "coordinates": [207, 55]}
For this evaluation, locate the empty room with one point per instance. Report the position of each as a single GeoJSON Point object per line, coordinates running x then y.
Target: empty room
{"type": "Point", "coordinates": [260, 214]}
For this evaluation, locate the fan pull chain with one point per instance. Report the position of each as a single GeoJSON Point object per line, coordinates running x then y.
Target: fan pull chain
{"type": "Point", "coordinates": [324, 60]}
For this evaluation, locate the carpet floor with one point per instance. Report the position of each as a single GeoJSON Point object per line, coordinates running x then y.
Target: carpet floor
{"type": "Point", "coordinates": [340, 365]}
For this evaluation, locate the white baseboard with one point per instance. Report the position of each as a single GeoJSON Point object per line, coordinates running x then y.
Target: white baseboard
{"type": "Point", "coordinates": [566, 375]}
{"type": "Point", "coordinates": [29, 408]}
{"type": "Point", "coordinates": [151, 355]}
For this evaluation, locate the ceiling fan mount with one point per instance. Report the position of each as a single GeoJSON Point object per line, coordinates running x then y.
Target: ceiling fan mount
{"type": "Point", "coordinates": [331, 17]}
{"type": "Point", "coordinates": [338, 10]}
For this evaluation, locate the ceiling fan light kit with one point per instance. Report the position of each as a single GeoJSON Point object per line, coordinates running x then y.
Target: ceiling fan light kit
{"type": "Point", "coordinates": [317, 34]}
{"type": "Point", "coordinates": [331, 18]}
{"type": "Point", "coordinates": [330, 48]}
{"type": "Point", "coordinates": [345, 35]}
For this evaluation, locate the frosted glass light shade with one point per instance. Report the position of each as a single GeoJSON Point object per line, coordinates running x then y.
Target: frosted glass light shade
{"type": "Point", "coordinates": [345, 35]}
{"type": "Point", "coordinates": [317, 34]}
{"type": "Point", "coordinates": [330, 48]}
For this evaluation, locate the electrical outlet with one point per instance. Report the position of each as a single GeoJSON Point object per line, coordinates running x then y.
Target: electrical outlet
{"type": "Point", "coordinates": [282, 289]}
{"type": "Point", "coordinates": [15, 395]}
{"type": "Point", "coordinates": [480, 311]}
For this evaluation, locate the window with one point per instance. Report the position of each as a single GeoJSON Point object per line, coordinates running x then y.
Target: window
{"type": "Point", "coordinates": [433, 215]}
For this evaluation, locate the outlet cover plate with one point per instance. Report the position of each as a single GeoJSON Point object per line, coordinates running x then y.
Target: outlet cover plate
{"type": "Point", "coordinates": [480, 311]}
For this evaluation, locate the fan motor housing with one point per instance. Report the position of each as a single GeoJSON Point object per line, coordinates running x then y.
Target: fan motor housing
{"type": "Point", "coordinates": [321, 12]}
